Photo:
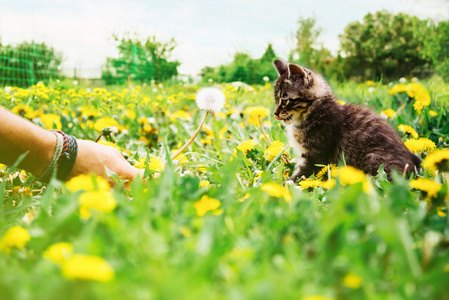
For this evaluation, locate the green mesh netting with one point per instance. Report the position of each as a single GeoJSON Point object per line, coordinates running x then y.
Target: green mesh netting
{"type": "Point", "coordinates": [28, 63]}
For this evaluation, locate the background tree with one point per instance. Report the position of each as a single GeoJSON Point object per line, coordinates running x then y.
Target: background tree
{"type": "Point", "coordinates": [244, 68]}
{"type": "Point", "coordinates": [308, 51]}
{"type": "Point", "coordinates": [140, 60]}
{"type": "Point", "coordinates": [437, 47]}
{"type": "Point", "coordinates": [28, 63]}
{"type": "Point", "coordinates": [385, 46]}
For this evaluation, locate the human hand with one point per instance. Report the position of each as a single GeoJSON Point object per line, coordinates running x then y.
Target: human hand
{"type": "Point", "coordinates": [93, 158]}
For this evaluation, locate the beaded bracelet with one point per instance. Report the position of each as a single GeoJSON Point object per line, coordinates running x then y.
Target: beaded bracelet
{"type": "Point", "coordinates": [63, 158]}
{"type": "Point", "coordinates": [67, 157]}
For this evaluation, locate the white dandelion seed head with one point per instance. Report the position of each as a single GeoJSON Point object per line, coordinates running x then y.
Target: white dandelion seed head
{"type": "Point", "coordinates": [210, 99]}
{"type": "Point", "coordinates": [402, 80]}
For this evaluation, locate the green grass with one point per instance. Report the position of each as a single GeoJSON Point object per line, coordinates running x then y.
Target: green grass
{"type": "Point", "coordinates": [258, 248]}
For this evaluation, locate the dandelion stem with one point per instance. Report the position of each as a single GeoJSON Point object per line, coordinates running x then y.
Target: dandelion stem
{"type": "Point", "coordinates": [263, 131]}
{"type": "Point", "coordinates": [98, 138]}
{"type": "Point", "coordinates": [191, 139]}
{"type": "Point", "coordinates": [430, 207]}
{"type": "Point", "coordinates": [403, 106]}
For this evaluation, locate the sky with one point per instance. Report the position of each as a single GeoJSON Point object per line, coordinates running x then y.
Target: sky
{"type": "Point", "coordinates": [207, 33]}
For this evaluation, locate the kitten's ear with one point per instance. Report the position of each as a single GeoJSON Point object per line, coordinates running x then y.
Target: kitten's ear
{"type": "Point", "coordinates": [294, 69]}
{"type": "Point", "coordinates": [281, 67]}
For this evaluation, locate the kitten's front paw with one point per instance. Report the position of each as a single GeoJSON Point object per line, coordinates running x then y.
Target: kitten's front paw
{"type": "Point", "coordinates": [293, 179]}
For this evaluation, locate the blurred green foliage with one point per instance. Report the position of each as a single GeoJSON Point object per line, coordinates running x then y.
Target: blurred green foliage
{"type": "Point", "coordinates": [28, 63]}
{"type": "Point", "coordinates": [140, 60]}
{"type": "Point", "coordinates": [341, 243]}
{"type": "Point", "coordinates": [244, 68]}
{"type": "Point", "coordinates": [437, 47]}
{"type": "Point", "coordinates": [308, 51]}
{"type": "Point", "coordinates": [384, 46]}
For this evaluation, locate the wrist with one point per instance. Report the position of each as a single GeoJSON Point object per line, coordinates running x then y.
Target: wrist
{"type": "Point", "coordinates": [39, 163]}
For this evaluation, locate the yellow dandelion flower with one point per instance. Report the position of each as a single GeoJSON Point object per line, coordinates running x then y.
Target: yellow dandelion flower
{"type": "Point", "coordinates": [419, 145]}
{"type": "Point", "coordinates": [328, 184]}
{"type": "Point", "coordinates": [51, 121]}
{"type": "Point", "coordinates": [87, 267]}
{"type": "Point", "coordinates": [143, 120]}
{"type": "Point", "coordinates": [421, 95]}
{"type": "Point", "coordinates": [99, 200]}
{"type": "Point", "coordinates": [209, 131]}
{"type": "Point", "coordinates": [441, 212]}
{"type": "Point", "coordinates": [59, 252]}
{"type": "Point", "coordinates": [400, 88]}
{"type": "Point", "coordinates": [14, 237]}
{"type": "Point", "coordinates": [370, 83]}
{"type": "Point", "coordinates": [183, 159]}
{"type": "Point", "coordinates": [22, 110]}
{"type": "Point", "coordinates": [273, 150]}
{"type": "Point", "coordinates": [341, 102]}
{"type": "Point", "coordinates": [257, 176]}
{"type": "Point", "coordinates": [408, 129]}
{"type": "Point", "coordinates": [349, 175]}
{"type": "Point", "coordinates": [310, 183]}
{"type": "Point", "coordinates": [206, 204]}
{"type": "Point", "coordinates": [220, 115]}
{"type": "Point", "coordinates": [256, 112]}
{"type": "Point", "coordinates": [438, 160]}
{"type": "Point", "coordinates": [246, 196]}
{"type": "Point", "coordinates": [426, 185]}
{"type": "Point", "coordinates": [276, 190]}
{"type": "Point", "coordinates": [89, 111]}
{"type": "Point", "coordinates": [221, 133]}
{"type": "Point", "coordinates": [156, 164]}
{"type": "Point", "coordinates": [204, 184]}
{"type": "Point", "coordinates": [246, 146]}
{"type": "Point", "coordinates": [105, 122]}
{"type": "Point", "coordinates": [324, 173]}
{"type": "Point", "coordinates": [389, 113]}
{"type": "Point", "coordinates": [140, 164]}
{"type": "Point", "coordinates": [207, 141]}
{"type": "Point", "coordinates": [87, 182]}
{"type": "Point", "coordinates": [433, 113]}
{"type": "Point", "coordinates": [180, 114]}
{"type": "Point", "coordinates": [130, 114]}
{"type": "Point", "coordinates": [352, 281]}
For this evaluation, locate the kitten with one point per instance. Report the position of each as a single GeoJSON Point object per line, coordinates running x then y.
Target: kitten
{"type": "Point", "coordinates": [321, 130]}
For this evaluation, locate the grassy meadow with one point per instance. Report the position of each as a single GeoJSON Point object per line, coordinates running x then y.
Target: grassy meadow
{"type": "Point", "coordinates": [219, 221]}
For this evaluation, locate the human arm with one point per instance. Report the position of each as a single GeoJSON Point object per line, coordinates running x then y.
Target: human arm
{"type": "Point", "coordinates": [18, 136]}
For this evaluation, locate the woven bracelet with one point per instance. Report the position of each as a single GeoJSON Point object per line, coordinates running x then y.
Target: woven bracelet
{"type": "Point", "coordinates": [68, 156]}
{"type": "Point", "coordinates": [48, 173]}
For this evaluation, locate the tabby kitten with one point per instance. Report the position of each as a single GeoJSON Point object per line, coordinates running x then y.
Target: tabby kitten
{"type": "Point", "coordinates": [321, 130]}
